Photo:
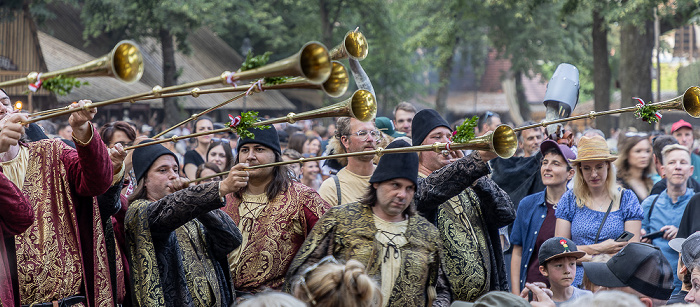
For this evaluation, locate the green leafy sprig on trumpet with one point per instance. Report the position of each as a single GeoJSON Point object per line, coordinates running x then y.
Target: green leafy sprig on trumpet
{"type": "Point", "coordinates": [244, 122]}
{"type": "Point", "coordinates": [465, 132]}
{"type": "Point", "coordinates": [252, 62]}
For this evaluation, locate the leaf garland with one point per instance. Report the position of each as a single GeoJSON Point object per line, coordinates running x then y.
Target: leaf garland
{"type": "Point", "coordinates": [465, 132]}
{"type": "Point", "coordinates": [61, 85]}
{"type": "Point", "coordinates": [647, 113]}
{"type": "Point", "coordinates": [252, 62]}
{"type": "Point", "coordinates": [246, 122]}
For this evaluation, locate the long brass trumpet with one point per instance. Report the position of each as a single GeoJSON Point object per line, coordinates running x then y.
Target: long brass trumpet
{"type": "Point", "coordinates": [354, 45]}
{"type": "Point", "coordinates": [311, 62]}
{"type": "Point", "coordinates": [689, 102]}
{"type": "Point", "coordinates": [361, 105]}
{"type": "Point", "coordinates": [502, 142]}
{"type": "Point", "coordinates": [336, 85]}
{"type": "Point", "coordinates": [124, 62]}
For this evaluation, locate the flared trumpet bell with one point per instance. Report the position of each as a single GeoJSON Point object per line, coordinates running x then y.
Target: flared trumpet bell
{"type": "Point", "coordinates": [124, 63]}
{"type": "Point", "coordinates": [361, 106]}
{"type": "Point", "coordinates": [354, 45]}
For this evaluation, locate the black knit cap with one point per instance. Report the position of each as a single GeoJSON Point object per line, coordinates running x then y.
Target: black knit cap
{"type": "Point", "coordinates": [267, 137]}
{"type": "Point", "coordinates": [425, 121]}
{"type": "Point", "coordinates": [397, 165]}
{"type": "Point", "coordinates": [145, 156]}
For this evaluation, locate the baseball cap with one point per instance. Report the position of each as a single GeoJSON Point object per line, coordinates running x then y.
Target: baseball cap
{"type": "Point", "coordinates": [384, 124]}
{"type": "Point", "coordinates": [639, 266]}
{"type": "Point", "coordinates": [680, 124]}
{"type": "Point", "coordinates": [495, 299]}
{"type": "Point", "coordinates": [558, 247]}
{"type": "Point", "coordinates": [689, 248]}
{"type": "Point", "coordinates": [563, 150]}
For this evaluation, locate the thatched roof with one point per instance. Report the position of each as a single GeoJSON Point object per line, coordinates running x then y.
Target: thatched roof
{"type": "Point", "coordinates": [63, 46]}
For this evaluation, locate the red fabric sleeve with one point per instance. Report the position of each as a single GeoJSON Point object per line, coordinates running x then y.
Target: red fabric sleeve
{"type": "Point", "coordinates": [89, 168]}
{"type": "Point", "coordinates": [16, 215]}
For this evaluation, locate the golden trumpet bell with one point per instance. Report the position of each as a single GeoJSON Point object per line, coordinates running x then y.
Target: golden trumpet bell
{"type": "Point", "coordinates": [354, 46]}
{"type": "Point", "coordinates": [124, 62]}
{"type": "Point", "coordinates": [691, 101]}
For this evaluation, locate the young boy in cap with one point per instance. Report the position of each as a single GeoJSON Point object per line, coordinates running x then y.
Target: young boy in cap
{"type": "Point", "coordinates": [557, 258]}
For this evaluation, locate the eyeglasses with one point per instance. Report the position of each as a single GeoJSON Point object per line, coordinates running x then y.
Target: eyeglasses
{"type": "Point", "coordinates": [215, 140]}
{"type": "Point", "coordinates": [364, 134]}
{"type": "Point", "coordinates": [302, 278]}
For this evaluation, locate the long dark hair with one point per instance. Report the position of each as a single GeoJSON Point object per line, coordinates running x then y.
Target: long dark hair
{"type": "Point", "coordinates": [370, 199]}
{"type": "Point", "coordinates": [140, 190]}
{"type": "Point", "coordinates": [281, 179]}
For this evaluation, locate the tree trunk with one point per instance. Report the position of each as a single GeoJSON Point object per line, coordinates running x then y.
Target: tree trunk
{"type": "Point", "coordinates": [170, 105]}
{"type": "Point", "coordinates": [636, 46]}
{"type": "Point", "coordinates": [444, 89]}
{"type": "Point", "coordinates": [601, 71]}
{"type": "Point", "coordinates": [326, 26]}
{"type": "Point", "coordinates": [521, 98]}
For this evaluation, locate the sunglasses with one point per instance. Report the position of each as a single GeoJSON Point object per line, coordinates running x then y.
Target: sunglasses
{"type": "Point", "coordinates": [219, 140]}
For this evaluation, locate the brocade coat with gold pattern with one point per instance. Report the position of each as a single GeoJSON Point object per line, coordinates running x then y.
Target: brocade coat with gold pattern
{"type": "Point", "coordinates": [348, 232]}
{"type": "Point", "coordinates": [177, 248]}
{"type": "Point", "coordinates": [63, 252]}
{"type": "Point", "coordinates": [468, 208]}
{"type": "Point", "coordinates": [275, 236]}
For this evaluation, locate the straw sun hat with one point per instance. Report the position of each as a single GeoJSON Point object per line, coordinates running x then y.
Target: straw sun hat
{"type": "Point", "coordinates": [593, 149]}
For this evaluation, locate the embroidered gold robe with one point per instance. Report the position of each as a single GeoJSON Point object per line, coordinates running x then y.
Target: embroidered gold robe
{"type": "Point", "coordinates": [63, 252]}
{"type": "Point", "coordinates": [348, 232]}
{"type": "Point", "coordinates": [274, 237]}
{"type": "Point", "coordinates": [177, 248]}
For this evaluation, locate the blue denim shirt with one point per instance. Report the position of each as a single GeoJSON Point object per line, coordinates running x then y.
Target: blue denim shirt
{"type": "Point", "coordinates": [665, 213]}
{"type": "Point", "coordinates": [528, 221]}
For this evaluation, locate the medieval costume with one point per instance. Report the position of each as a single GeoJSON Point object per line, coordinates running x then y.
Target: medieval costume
{"type": "Point", "coordinates": [468, 208]}
{"type": "Point", "coordinates": [62, 256]}
{"type": "Point", "coordinates": [113, 207]}
{"type": "Point", "coordinates": [350, 232]}
{"type": "Point", "coordinates": [273, 230]}
{"type": "Point", "coordinates": [15, 217]}
{"type": "Point", "coordinates": [177, 245]}
{"type": "Point", "coordinates": [404, 255]}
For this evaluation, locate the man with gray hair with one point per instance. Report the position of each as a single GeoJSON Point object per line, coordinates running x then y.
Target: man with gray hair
{"type": "Point", "coordinates": [663, 212]}
{"type": "Point", "coordinates": [658, 145]}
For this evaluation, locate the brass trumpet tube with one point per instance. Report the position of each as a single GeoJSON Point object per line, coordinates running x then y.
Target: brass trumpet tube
{"type": "Point", "coordinates": [502, 141]}
{"type": "Point", "coordinates": [689, 102]}
{"type": "Point", "coordinates": [361, 105]}
{"type": "Point", "coordinates": [311, 62]}
{"type": "Point", "coordinates": [124, 62]}
{"type": "Point", "coordinates": [197, 115]}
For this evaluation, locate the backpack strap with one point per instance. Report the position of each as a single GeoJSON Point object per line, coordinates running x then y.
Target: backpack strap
{"type": "Point", "coordinates": [337, 187]}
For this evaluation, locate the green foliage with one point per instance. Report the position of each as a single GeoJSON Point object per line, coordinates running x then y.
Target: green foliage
{"type": "Point", "coordinates": [61, 85]}
{"type": "Point", "coordinates": [465, 132]}
{"type": "Point", "coordinates": [246, 122]}
{"type": "Point", "coordinates": [252, 62]}
{"type": "Point", "coordinates": [647, 113]}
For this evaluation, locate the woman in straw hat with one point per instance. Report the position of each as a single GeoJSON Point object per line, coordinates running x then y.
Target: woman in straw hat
{"type": "Point", "coordinates": [597, 211]}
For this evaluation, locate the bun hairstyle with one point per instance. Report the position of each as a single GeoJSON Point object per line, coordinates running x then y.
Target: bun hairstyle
{"type": "Point", "coordinates": [338, 285]}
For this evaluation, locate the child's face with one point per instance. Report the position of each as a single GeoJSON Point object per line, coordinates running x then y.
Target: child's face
{"type": "Point", "coordinates": [561, 271]}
